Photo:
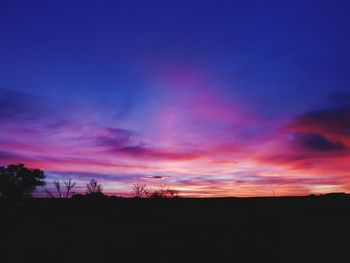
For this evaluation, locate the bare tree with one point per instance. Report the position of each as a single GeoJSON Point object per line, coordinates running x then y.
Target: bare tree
{"type": "Point", "coordinates": [140, 190]}
{"type": "Point", "coordinates": [165, 192]}
{"type": "Point", "coordinates": [171, 192]}
{"type": "Point", "coordinates": [69, 185]}
{"type": "Point", "coordinates": [93, 187]}
{"type": "Point", "coordinates": [49, 193]}
{"type": "Point", "coordinates": [58, 188]}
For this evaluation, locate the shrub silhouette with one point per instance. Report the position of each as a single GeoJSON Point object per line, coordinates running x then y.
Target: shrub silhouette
{"type": "Point", "coordinates": [165, 192]}
{"type": "Point", "coordinates": [68, 184]}
{"type": "Point", "coordinates": [140, 191]}
{"type": "Point", "coordinates": [18, 181]}
{"type": "Point", "coordinates": [94, 189]}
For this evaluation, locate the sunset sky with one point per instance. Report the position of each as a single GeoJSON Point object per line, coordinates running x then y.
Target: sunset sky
{"type": "Point", "coordinates": [214, 98]}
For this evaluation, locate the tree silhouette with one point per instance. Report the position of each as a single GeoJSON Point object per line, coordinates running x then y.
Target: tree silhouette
{"type": "Point", "coordinates": [169, 192]}
{"type": "Point", "coordinates": [94, 188]}
{"type": "Point", "coordinates": [58, 188]}
{"type": "Point", "coordinates": [69, 185]}
{"type": "Point", "coordinates": [165, 192]}
{"type": "Point", "coordinates": [18, 181]}
{"type": "Point", "coordinates": [140, 190]}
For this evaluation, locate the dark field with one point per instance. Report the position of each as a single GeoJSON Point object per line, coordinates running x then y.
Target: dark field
{"type": "Point", "coordinates": [289, 229]}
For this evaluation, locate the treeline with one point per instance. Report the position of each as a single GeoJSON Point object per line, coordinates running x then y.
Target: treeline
{"type": "Point", "coordinates": [141, 191]}
{"type": "Point", "coordinates": [18, 181]}
{"type": "Point", "coordinates": [66, 189]}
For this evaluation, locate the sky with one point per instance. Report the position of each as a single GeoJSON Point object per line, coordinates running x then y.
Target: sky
{"type": "Point", "coordinates": [213, 98]}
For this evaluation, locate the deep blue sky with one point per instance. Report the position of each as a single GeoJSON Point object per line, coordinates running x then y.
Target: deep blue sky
{"type": "Point", "coordinates": [118, 64]}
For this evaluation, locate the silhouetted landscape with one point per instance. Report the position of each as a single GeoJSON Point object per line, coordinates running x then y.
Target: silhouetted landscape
{"type": "Point", "coordinates": [98, 228]}
{"type": "Point", "coordinates": [284, 229]}
{"type": "Point", "coordinates": [163, 227]}
{"type": "Point", "coordinates": [176, 131]}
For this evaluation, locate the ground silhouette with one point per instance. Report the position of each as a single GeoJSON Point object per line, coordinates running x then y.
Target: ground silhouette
{"type": "Point", "coordinates": [281, 229]}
